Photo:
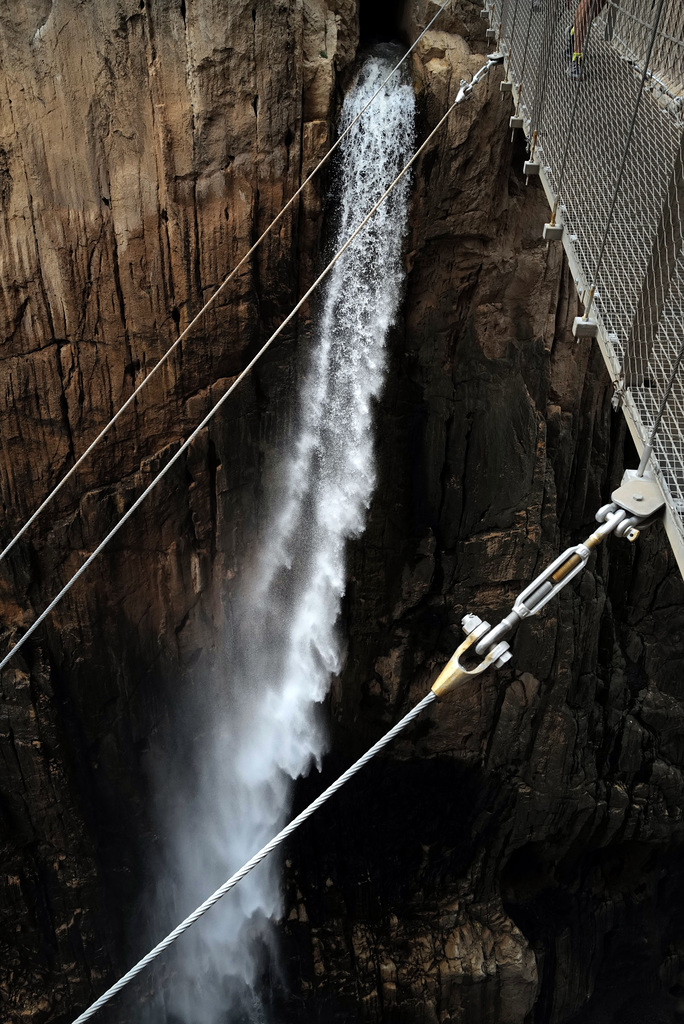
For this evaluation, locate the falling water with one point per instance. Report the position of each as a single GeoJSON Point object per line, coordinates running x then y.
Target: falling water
{"type": "Point", "coordinates": [285, 621]}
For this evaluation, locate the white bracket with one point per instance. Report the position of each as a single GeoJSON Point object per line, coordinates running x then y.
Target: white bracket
{"type": "Point", "coordinates": [582, 328]}
{"type": "Point", "coordinates": [638, 495]}
{"type": "Point", "coordinates": [553, 232]}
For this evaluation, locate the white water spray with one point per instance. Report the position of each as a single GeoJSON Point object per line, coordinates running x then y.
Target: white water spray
{"type": "Point", "coordinates": [286, 620]}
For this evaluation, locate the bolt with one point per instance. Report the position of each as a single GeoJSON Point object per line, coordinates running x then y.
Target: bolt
{"type": "Point", "coordinates": [638, 497]}
{"type": "Point", "coordinates": [470, 623]}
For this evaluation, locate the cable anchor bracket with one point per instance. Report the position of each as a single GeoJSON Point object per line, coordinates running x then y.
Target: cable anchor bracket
{"type": "Point", "coordinates": [635, 504]}
{"type": "Point", "coordinates": [640, 498]}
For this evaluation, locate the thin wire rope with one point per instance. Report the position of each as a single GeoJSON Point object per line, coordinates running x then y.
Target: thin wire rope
{"type": "Point", "coordinates": [646, 24]}
{"type": "Point", "coordinates": [277, 841]}
{"type": "Point", "coordinates": [212, 298]}
{"type": "Point", "coordinates": [666, 396]}
{"type": "Point", "coordinates": [573, 115]}
{"type": "Point", "coordinates": [549, 37]}
{"type": "Point", "coordinates": [522, 71]}
{"type": "Point", "coordinates": [502, 22]}
{"type": "Point", "coordinates": [462, 93]}
{"type": "Point", "coordinates": [510, 48]}
{"type": "Point", "coordinates": [623, 163]}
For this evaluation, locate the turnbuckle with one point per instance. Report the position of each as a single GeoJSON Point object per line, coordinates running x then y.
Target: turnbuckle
{"type": "Point", "coordinates": [553, 579]}
{"type": "Point", "coordinates": [635, 504]}
{"type": "Point", "coordinates": [467, 87]}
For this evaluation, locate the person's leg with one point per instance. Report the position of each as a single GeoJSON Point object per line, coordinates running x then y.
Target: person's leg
{"type": "Point", "coordinates": [586, 11]}
{"type": "Point", "coordinates": [581, 25]}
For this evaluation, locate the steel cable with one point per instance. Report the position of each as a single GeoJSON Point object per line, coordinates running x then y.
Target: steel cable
{"type": "Point", "coordinates": [462, 93]}
{"type": "Point", "coordinates": [277, 841]}
{"type": "Point", "coordinates": [212, 298]}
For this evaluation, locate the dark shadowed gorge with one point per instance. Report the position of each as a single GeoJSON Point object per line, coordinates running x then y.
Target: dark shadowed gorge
{"type": "Point", "coordinates": [517, 858]}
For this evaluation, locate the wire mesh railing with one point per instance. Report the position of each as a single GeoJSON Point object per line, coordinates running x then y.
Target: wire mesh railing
{"type": "Point", "coordinates": [606, 131]}
{"type": "Point", "coordinates": [627, 30]}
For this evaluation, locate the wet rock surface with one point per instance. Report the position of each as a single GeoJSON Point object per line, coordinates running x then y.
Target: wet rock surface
{"type": "Point", "coordinates": [517, 858]}
{"type": "Point", "coordinates": [145, 147]}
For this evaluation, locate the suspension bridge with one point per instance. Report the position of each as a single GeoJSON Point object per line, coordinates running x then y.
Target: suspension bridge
{"type": "Point", "coordinates": [608, 146]}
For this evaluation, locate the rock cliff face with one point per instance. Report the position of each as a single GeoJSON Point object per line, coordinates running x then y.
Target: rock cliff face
{"type": "Point", "coordinates": [144, 147]}
{"type": "Point", "coordinates": [529, 870]}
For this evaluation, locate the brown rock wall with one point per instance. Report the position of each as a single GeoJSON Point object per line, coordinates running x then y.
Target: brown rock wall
{"type": "Point", "coordinates": [145, 144]}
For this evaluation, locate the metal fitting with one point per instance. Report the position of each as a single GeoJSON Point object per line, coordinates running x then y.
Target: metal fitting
{"type": "Point", "coordinates": [640, 496]}
{"type": "Point", "coordinates": [454, 672]}
{"type": "Point", "coordinates": [584, 327]}
{"type": "Point", "coordinates": [553, 232]}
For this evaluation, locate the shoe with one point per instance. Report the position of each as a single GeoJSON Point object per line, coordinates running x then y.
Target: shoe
{"type": "Point", "coordinates": [576, 71]}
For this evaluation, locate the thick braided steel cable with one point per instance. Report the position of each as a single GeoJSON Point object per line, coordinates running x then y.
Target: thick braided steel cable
{"type": "Point", "coordinates": [623, 164]}
{"type": "Point", "coordinates": [277, 841]}
{"type": "Point", "coordinates": [462, 93]}
{"type": "Point", "coordinates": [67, 476]}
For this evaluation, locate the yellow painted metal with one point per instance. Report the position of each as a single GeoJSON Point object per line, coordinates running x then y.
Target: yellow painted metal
{"type": "Point", "coordinates": [454, 673]}
{"type": "Point", "coordinates": [563, 570]}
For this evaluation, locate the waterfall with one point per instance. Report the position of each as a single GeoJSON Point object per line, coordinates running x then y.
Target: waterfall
{"type": "Point", "coordinates": [285, 643]}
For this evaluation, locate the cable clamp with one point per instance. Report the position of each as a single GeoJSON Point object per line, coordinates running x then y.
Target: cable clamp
{"type": "Point", "coordinates": [635, 504]}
